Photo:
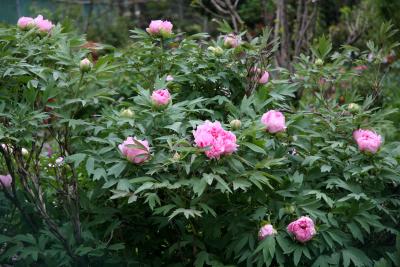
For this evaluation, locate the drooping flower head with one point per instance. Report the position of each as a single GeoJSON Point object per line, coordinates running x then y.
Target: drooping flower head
{"type": "Point", "coordinates": [5, 180]}
{"type": "Point", "coordinates": [42, 24]}
{"type": "Point", "coordinates": [161, 97]}
{"type": "Point", "coordinates": [274, 121]}
{"type": "Point", "coordinates": [25, 23]}
{"type": "Point", "coordinates": [303, 229]}
{"type": "Point", "coordinates": [232, 40]}
{"type": "Point", "coordinates": [367, 140]}
{"type": "Point", "coordinates": [265, 231]}
{"type": "Point", "coordinates": [136, 151]}
{"type": "Point", "coordinates": [160, 28]}
{"type": "Point", "coordinates": [218, 141]}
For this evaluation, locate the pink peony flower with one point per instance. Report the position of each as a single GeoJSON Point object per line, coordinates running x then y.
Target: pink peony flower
{"type": "Point", "coordinates": [5, 180]}
{"type": "Point", "coordinates": [43, 25]}
{"type": "Point", "coordinates": [260, 76]}
{"type": "Point", "coordinates": [367, 140]}
{"type": "Point", "coordinates": [169, 78]}
{"type": "Point", "coordinates": [160, 28]}
{"type": "Point", "coordinates": [265, 231]}
{"type": "Point", "coordinates": [161, 97]}
{"type": "Point", "coordinates": [303, 229]}
{"type": "Point", "coordinates": [232, 40]}
{"type": "Point", "coordinates": [25, 22]}
{"type": "Point", "coordinates": [215, 138]}
{"type": "Point", "coordinates": [136, 151]}
{"type": "Point", "coordinates": [274, 121]}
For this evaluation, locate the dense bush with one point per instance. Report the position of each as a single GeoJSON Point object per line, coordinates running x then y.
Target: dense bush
{"type": "Point", "coordinates": [110, 168]}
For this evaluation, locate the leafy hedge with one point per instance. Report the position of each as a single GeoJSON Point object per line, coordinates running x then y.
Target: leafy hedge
{"type": "Point", "coordinates": [77, 200]}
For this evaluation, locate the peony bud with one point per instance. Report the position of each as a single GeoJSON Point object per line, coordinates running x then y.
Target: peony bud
{"type": "Point", "coordinates": [266, 230]}
{"type": "Point", "coordinates": [169, 78]}
{"type": "Point", "coordinates": [319, 62]}
{"type": "Point", "coordinates": [24, 152]}
{"type": "Point", "coordinates": [353, 107]}
{"type": "Point", "coordinates": [127, 113]}
{"type": "Point", "coordinates": [5, 180]}
{"type": "Point", "coordinates": [161, 97]}
{"type": "Point", "coordinates": [236, 124]}
{"type": "Point", "coordinates": [176, 156]}
{"type": "Point", "coordinates": [232, 40]}
{"type": "Point", "coordinates": [85, 65]}
{"type": "Point", "coordinates": [216, 50]}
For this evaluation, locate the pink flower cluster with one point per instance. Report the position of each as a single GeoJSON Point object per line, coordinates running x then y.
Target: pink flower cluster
{"type": "Point", "coordinates": [136, 151]}
{"type": "Point", "coordinates": [232, 40]}
{"type": "Point", "coordinates": [259, 75]}
{"type": "Point", "coordinates": [265, 231]}
{"type": "Point", "coordinates": [5, 180]}
{"type": "Point", "coordinates": [161, 97]}
{"type": "Point", "coordinates": [367, 140]}
{"type": "Point", "coordinates": [218, 141]}
{"type": "Point", "coordinates": [303, 229]}
{"type": "Point", "coordinates": [274, 121]}
{"type": "Point", "coordinates": [160, 28]}
{"type": "Point", "coordinates": [39, 22]}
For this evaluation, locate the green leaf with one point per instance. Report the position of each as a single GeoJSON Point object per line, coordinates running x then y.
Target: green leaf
{"type": "Point", "coordinates": [255, 148]}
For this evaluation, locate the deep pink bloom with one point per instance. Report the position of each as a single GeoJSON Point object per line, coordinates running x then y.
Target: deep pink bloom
{"type": "Point", "coordinates": [232, 40]}
{"type": "Point", "coordinates": [367, 140]}
{"type": "Point", "coordinates": [136, 151]}
{"type": "Point", "coordinates": [160, 27]}
{"type": "Point", "coordinates": [274, 121]}
{"type": "Point", "coordinates": [43, 25]}
{"type": "Point", "coordinates": [161, 97]}
{"type": "Point", "coordinates": [6, 180]}
{"type": "Point", "coordinates": [217, 140]}
{"type": "Point", "coordinates": [303, 229]}
{"type": "Point", "coordinates": [265, 231]}
{"type": "Point", "coordinates": [25, 22]}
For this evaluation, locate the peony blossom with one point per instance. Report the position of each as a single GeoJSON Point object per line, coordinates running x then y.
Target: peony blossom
{"type": "Point", "coordinates": [59, 161]}
{"type": "Point", "coordinates": [43, 25]}
{"type": "Point", "coordinates": [5, 180]}
{"type": "Point", "coordinates": [169, 78]}
{"type": "Point", "coordinates": [265, 231]}
{"type": "Point", "coordinates": [160, 28]}
{"type": "Point", "coordinates": [274, 121]}
{"type": "Point", "coordinates": [232, 40]}
{"type": "Point", "coordinates": [303, 229]}
{"type": "Point", "coordinates": [367, 140]}
{"type": "Point", "coordinates": [259, 75]}
{"type": "Point", "coordinates": [217, 140]}
{"type": "Point", "coordinates": [25, 23]}
{"type": "Point", "coordinates": [161, 97]}
{"type": "Point", "coordinates": [136, 151]}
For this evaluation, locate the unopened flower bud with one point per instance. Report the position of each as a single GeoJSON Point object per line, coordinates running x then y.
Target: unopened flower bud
{"type": "Point", "coordinates": [235, 124]}
{"type": "Point", "coordinates": [176, 156]}
{"type": "Point", "coordinates": [24, 151]}
{"type": "Point", "coordinates": [319, 62]}
{"type": "Point", "coordinates": [127, 113]}
{"type": "Point", "coordinates": [85, 65]}
{"type": "Point", "coordinates": [353, 107]}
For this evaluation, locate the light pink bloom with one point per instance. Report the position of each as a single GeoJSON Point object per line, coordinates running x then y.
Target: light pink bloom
{"type": "Point", "coordinates": [136, 151]}
{"type": "Point", "coordinates": [169, 78]}
{"type": "Point", "coordinates": [5, 180]}
{"type": "Point", "coordinates": [59, 161]}
{"type": "Point", "coordinates": [232, 40]}
{"type": "Point", "coordinates": [274, 121]}
{"type": "Point", "coordinates": [259, 75]}
{"type": "Point", "coordinates": [161, 97]}
{"type": "Point", "coordinates": [303, 229]}
{"type": "Point", "coordinates": [265, 231]}
{"type": "Point", "coordinates": [367, 140]}
{"type": "Point", "coordinates": [160, 27]}
{"type": "Point", "coordinates": [217, 140]}
{"type": "Point", "coordinates": [25, 22]}
{"type": "Point", "coordinates": [43, 25]}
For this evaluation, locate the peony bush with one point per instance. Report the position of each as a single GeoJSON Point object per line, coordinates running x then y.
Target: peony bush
{"type": "Point", "coordinates": [188, 151]}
